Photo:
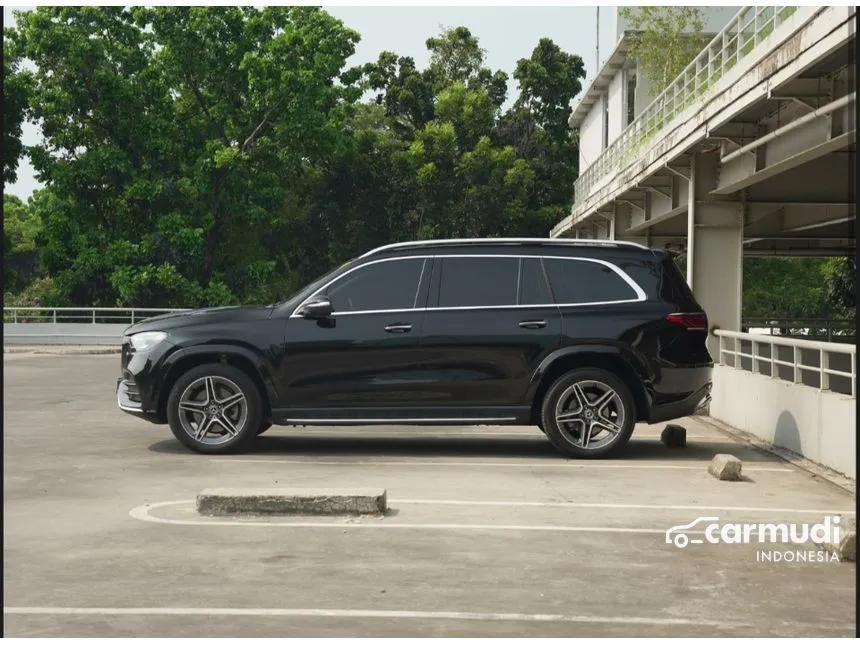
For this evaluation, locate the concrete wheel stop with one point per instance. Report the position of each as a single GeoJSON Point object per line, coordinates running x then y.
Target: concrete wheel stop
{"type": "Point", "coordinates": [726, 468]}
{"type": "Point", "coordinates": [674, 436]}
{"type": "Point", "coordinates": [292, 501]}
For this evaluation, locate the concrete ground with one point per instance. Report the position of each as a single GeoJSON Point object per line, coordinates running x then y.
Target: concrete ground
{"type": "Point", "coordinates": [491, 532]}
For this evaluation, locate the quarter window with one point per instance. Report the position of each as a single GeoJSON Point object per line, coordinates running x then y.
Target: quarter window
{"type": "Point", "coordinates": [379, 286]}
{"type": "Point", "coordinates": [478, 281]}
{"type": "Point", "coordinates": [576, 282]}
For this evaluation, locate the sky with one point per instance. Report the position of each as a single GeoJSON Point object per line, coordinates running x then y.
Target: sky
{"type": "Point", "coordinates": [506, 33]}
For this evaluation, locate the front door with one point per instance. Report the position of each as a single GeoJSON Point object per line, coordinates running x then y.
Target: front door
{"type": "Point", "coordinates": [361, 361]}
{"type": "Point", "coordinates": [490, 322]}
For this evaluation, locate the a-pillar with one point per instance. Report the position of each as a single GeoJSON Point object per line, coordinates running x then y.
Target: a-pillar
{"type": "Point", "coordinates": [714, 249]}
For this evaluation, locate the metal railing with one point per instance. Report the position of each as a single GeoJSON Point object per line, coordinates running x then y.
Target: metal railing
{"type": "Point", "coordinates": [827, 366]}
{"type": "Point", "coordinates": [820, 328]}
{"type": "Point", "coordinates": [94, 315]}
{"type": "Point", "coordinates": [738, 39]}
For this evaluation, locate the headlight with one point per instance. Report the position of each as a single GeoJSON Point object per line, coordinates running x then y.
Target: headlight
{"type": "Point", "coordinates": [147, 339]}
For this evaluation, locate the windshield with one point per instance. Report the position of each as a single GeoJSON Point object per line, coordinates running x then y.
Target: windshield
{"type": "Point", "coordinates": [307, 290]}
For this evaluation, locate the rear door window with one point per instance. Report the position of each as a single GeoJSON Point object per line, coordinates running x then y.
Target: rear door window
{"type": "Point", "coordinates": [477, 281]}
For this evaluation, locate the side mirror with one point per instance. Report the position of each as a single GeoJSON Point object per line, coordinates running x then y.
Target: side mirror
{"type": "Point", "coordinates": [318, 307]}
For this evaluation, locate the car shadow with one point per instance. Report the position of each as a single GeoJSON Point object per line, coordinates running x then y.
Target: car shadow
{"type": "Point", "coordinates": [295, 444]}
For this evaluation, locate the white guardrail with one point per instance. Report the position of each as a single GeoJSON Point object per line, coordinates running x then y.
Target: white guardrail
{"type": "Point", "coordinates": [737, 40]}
{"type": "Point", "coordinates": [93, 315]}
{"type": "Point", "coordinates": [827, 366]}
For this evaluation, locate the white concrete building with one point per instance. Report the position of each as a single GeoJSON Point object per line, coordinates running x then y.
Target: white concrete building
{"type": "Point", "coordinates": [620, 91]}
{"type": "Point", "coordinates": [750, 151]}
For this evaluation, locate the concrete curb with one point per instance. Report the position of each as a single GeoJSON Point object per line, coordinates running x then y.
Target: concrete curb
{"type": "Point", "coordinates": [61, 350]}
{"type": "Point", "coordinates": [822, 472]}
{"type": "Point", "coordinates": [291, 501]}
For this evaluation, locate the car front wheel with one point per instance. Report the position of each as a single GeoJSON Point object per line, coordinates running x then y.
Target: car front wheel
{"type": "Point", "coordinates": [214, 408]}
{"type": "Point", "coordinates": [588, 413]}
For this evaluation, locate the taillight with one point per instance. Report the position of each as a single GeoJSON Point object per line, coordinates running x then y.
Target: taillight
{"type": "Point", "coordinates": [693, 322]}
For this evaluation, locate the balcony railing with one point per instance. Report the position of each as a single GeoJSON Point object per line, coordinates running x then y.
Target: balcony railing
{"type": "Point", "coordinates": [826, 366]}
{"type": "Point", "coordinates": [738, 39]}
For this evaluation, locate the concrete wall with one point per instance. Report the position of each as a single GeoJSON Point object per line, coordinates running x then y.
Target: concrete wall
{"type": "Point", "coordinates": [616, 106]}
{"type": "Point", "coordinates": [821, 426]}
{"type": "Point", "coordinates": [590, 136]}
{"type": "Point", "coordinates": [62, 334]}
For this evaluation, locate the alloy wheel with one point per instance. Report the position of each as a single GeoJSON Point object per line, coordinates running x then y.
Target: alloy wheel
{"type": "Point", "coordinates": [590, 414]}
{"type": "Point", "coordinates": [213, 410]}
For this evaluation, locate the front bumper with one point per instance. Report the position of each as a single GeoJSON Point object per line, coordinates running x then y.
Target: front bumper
{"type": "Point", "coordinates": [128, 400]}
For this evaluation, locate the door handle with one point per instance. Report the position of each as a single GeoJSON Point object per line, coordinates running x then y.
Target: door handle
{"type": "Point", "coordinates": [532, 324]}
{"type": "Point", "coordinates": [398, 328]}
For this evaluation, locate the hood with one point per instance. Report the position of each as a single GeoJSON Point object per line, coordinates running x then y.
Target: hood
{"type": "Point", "coordinates": [166, 322]}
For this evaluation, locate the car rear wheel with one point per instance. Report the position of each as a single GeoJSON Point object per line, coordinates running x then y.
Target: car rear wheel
{"type": "Point", "coordinates": [588, 413]}
{"type": "Point", "coordinates": [214, 408]}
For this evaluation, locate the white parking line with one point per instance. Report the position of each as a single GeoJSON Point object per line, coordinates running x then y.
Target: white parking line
{"type": "Point", "coordinates": [373, 613]}
{"type": "Point", "coordinates": [143, 513]}
{"type": "Point", "coordinates": [486, 464]}
{"type": "Point", "coordinates": [656, 507]}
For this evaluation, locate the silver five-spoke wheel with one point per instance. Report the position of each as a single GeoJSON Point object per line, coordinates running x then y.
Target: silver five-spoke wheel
{"type": "Point", "coordinates": [215, 408]}
{"type": "Point", "coordinates": [590, 414]}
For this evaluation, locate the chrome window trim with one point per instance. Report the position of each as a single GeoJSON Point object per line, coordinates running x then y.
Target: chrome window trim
{"type": "Point", "coordinates": [640, 294]}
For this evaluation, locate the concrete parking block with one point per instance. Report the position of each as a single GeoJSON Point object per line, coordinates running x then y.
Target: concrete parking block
{"type": "Point", "coordinates": [674, 436]}
{"type": "Point", "coordinates": [291, 501]}
{"type": "Point", "coordinates": [726, 467]}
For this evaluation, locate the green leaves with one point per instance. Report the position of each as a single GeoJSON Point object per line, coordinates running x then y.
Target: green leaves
{"type": "Point", "coordinates": [215, 155]}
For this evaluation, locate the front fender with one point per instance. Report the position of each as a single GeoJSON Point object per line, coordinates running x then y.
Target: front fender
{"type": "Point", "coordinates": [259, 362]}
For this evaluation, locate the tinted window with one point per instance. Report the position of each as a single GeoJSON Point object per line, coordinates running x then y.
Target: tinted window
{"type": "Point", "coordinates": [478, 282]}
{"type": "Point", "coordinates": [533, 287]}
{"type": "Point", "coordinates": [383, 285]}
{"type": "Point", "coordinates": [579, 282]}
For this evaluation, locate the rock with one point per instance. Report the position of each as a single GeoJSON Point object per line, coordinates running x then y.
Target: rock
{"type": "Point", "coordinates": [674, 436]}
{"type": "Point", "coordinates": [726, 468]}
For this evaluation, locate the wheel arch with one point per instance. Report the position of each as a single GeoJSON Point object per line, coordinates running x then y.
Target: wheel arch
{"type": "Point", "coordinates": [609, 358]}
{"type": "Point", "coordinates": [238, 357]}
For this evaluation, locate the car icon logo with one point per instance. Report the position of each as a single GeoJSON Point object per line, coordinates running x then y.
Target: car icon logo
{"type": "Point", "coordinates": [680, 539]}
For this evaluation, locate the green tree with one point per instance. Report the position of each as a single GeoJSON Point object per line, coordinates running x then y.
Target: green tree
{"type": "Point", "coordinates": [21, 228]}
{"type": "Point", "coordinates": [172, 137]}
{"type": "Point", "coordinates": [840, 284]}
{"type": "Point", "coordinates": [667, 39]}
{"type": "Point", "coordinates": [16, 88]}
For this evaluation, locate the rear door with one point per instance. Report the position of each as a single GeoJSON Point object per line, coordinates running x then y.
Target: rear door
{"type": "Point", "coordinates": [490, 321]}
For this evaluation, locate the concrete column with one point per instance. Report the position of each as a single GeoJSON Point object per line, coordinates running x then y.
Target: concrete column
{"type": "Point", "coordinates": [715, 250]}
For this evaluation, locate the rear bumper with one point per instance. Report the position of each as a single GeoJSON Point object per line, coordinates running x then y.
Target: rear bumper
{"type": "Point", "coordinates": [683, 408]}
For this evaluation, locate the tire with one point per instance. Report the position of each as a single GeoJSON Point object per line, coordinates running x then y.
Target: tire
{"type": "Point", "coordinates": [194, 391]}
{"type": "Point", "coordinates": [263, 427]}
{"type": "Point", "coordinates": [618, 411]}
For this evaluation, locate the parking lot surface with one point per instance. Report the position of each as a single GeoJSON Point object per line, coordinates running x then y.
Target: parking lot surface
{"type": "Point", "coordinates": [491, 532]}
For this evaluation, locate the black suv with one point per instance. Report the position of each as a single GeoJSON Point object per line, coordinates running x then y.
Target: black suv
{"type": "Point", "coordinates": [581, 338]}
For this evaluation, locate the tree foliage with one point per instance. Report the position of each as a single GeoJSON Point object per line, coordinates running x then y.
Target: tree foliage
{"type": "Point", "coordinates": [16, 87]}
{"type": "Point", "coordinates": [217, 155]}
{"type": "Point", "coordinates": [667, 39]}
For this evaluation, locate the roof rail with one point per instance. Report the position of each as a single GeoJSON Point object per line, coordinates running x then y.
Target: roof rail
{"type": "Point", "coordinates": [504, 240]}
